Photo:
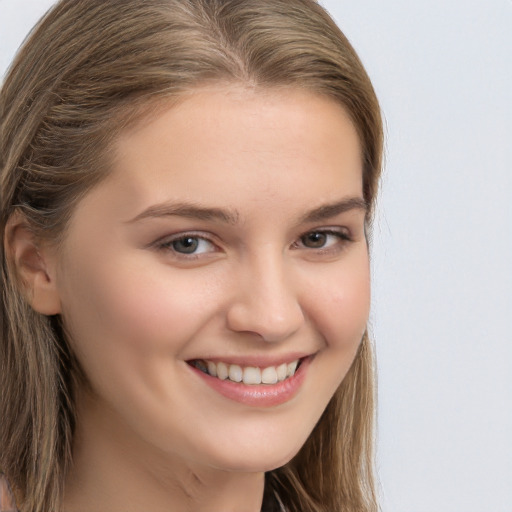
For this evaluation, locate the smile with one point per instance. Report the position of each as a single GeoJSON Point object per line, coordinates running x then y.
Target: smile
{"type": "Point", "coordinates": [253, 385]}
{"type": "Point", "coordinates": [249, 375]}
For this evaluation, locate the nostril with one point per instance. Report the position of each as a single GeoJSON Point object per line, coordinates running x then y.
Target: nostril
{"type": "Point", "coordinates": [268, 320]}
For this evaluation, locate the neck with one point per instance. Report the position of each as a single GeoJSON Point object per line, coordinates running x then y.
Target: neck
{"type": "Point", "coordinates": [114, 471]}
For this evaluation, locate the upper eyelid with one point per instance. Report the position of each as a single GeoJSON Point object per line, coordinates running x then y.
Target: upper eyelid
{"type": "Point", "coordinates": [335, 230]}
{"type": "Point", "coordinates": [342, 233]}
{"type": "Point", "coordinates": [184, 234]}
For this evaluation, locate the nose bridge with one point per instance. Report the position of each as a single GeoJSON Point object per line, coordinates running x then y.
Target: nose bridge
{"type": "Point", "coordinates": [267, 301]}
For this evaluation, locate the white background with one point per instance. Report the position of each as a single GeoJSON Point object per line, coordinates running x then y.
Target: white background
{"type": "Point", "coordinates": [442, 302]}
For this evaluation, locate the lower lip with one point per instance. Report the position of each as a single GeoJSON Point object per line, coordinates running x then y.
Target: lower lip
{"type": "Point", "coordinates": [258, 395]}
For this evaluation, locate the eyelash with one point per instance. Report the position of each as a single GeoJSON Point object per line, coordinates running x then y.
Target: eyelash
{"type": "Point", "coordinates": [343, 239]}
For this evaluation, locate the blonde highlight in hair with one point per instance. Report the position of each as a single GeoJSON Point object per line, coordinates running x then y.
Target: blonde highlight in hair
{"type": "Point", "coordinates": [89, 69]}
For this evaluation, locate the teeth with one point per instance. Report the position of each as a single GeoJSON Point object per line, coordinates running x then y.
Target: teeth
{"type": "Point", "coordinates": [235, 373]}
{"type": "Point", "coordinates": [222, 371]}
{"type": "Point", "coordinates": [249, 375]}
{"type": "Point", "coordinates": [252, 375]}
{"type": "Point", "coordinates": [269, 375]}
{"type": "Point", "coordinates": [281, 372]}
{"type": "Point", "coordinates": [290, 370]}
{"type": "Point", "coordinates": [212, 369]}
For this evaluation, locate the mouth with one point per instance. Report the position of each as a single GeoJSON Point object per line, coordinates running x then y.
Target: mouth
{"type": "Point", "coordinates": [255, 383]}
{"type": "Point", "coordinates": [249, 375]}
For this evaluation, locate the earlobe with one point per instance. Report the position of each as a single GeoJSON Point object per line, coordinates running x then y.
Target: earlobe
{"type": "Point", "coordinates": [33, 264]}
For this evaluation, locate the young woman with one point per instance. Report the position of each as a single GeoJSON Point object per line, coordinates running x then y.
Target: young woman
{"type": "Point", "coordinates": [186, 195]}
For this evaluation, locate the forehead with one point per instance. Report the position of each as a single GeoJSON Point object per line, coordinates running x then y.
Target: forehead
{"type": "Point", "coordinates": [219, 128]}
{"type": "Point", "coordinates": [237, 148]}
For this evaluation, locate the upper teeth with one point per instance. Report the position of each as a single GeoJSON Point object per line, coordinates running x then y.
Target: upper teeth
{"type": "Point", "coordinates": [247, 374]}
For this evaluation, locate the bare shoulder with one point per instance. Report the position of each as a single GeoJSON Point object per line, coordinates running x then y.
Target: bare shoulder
{"type": "Point", "coordinates": [6, 498]}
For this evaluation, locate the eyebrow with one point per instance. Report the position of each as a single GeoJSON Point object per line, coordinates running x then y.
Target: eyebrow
{"type": "Point", "coordinates": [229, 216]}
{"type": "Point", "coordinates": [330, 210]}
{"type": "Point", "coordinates": [191, 210]}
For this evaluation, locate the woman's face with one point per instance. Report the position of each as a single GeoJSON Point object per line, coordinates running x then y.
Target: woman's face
{"type": "Point", "coordinates": [229, 238]}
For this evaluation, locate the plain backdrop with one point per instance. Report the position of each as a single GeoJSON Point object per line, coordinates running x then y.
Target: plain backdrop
{"type": "Point", "coordinates": [442, 248]}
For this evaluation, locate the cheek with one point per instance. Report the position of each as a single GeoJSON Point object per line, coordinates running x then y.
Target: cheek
{"type": "Point", "coordinates": [341, 304]}
{"type": "Point", "coordinates": [352, 303]}
{"type": "Point", "coordinates": [131, 308]}
{"type": "Point", "coordinates": [129, 323]}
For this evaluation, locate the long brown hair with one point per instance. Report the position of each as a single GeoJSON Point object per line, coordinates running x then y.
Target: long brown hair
{"type": "Point", "coordinates": [90, 68]}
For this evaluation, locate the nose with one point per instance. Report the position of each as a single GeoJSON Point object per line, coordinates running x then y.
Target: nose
{"type": "Point", "coordinates": [266, 301]}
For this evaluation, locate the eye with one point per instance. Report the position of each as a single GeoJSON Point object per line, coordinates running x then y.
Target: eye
{"type": "Point", "coordinates": [315, 240]}
{"type": "Point", "coordinates": [188, 244]}
{"type": "Point", "coordinates": [324, 239]}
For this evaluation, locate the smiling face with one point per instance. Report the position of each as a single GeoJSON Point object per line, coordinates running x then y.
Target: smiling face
{"type": "Point", "coordinates": [227, 244]}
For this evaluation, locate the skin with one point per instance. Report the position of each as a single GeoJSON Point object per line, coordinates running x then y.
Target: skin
{"type": "Point", "coordinates": [150, 433]}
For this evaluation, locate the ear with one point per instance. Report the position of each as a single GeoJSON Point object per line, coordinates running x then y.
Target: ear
{"type": "Point", "coordinates": [34, 265]}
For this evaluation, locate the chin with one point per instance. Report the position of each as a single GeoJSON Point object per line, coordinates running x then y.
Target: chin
{"type": "Point", "coordinates": [257, 459]}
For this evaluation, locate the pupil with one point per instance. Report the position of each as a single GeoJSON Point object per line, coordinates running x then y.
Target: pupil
{"type": "Point", "coordinates": [314, 240]}
{"type": "Point", "coordinates": [186, 245]}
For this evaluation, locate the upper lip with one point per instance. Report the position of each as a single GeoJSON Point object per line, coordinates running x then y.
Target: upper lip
{"type": "Point", "coordinates": [255, 360]}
